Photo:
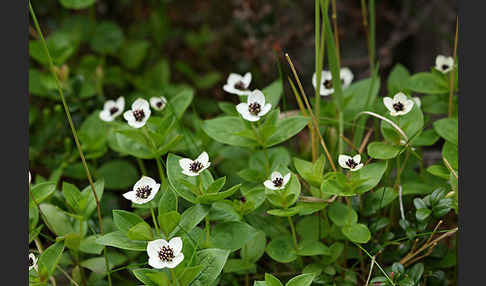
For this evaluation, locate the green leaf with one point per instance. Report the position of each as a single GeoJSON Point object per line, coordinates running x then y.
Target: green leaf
{"type": "Point", "coordinates": [273, 92]}
{"type": "Point", "coordinates": [426, 138]}
{"type": "Point", "coordinates": [119, 240]}
{"type": "Point", "coordinates": [216, 185]}
{"type": "Point", "coordinates": [450, 153]}
{"type": "Point", "coordinates": [380, 198]}
{"type": "Point", "coordinates": [227, 130]}
{"type": "Point", "coordinates": [214, 197]}
{"type": "Point", "coordinates": [286, 129]}
{"type": "Point", "coordinates": [423, 214]}
{"type": "Point", "coordinates": [212, 260]}
{"type": "Point", "coordinates": [133, 53]}
{"type": "Point", "coordinates": [311, 172]}
{"type": "Point", "coordinates": [427, 83]}
{"type": "Point", "coordinates": [359, 181]}
{"type": "Point", "coordinates": [411, 123]}
{"type": "Point", "coordinates": [254, 249]}
{"type": "Point", "coordinates": [357, 232]}
{"type": "Point", "coordinates": [311, 248]}
{"type": "Point", "coordinates": [88, 195]}
{"type": "Point", "coordinates": [140, 231]}
{"type": "Point", "coordinates": [228, 108]}
{"type": "Point", "coordinates": [124, 220]}
{"type": "Point", "coordinates": [89, 245]}
{"type": "Point", "coordinates": [61, 47]}
{"type": "Point", "coordinates": [167, 201]}
{"type": "Point", "coordinates": [190, 218]}
{"type": "Point", "coordinates": [118, 174]}
{"type": "Point", "coordinates": [152, 277]}
{"type": "Point", "coordinates": [49, 259]}
{"type": "Point", "coordinates": [239, 266]}
{"type": "Point", "coordinates": [57, 221]}
{"type": "Point", "coordinates": [73, 197]}
{"type": "Point", "coordinates": [187, 275]}
{"type": "Point", "coordinates": [439, 171]}
{"type": "Point", "coordinates": [382, 150]}
{"type": "Point", "coordinates": [398, 79]}
{"type": "Point", "coordinates": [180, 102]}
{"type": "Point", "coordinates": [107, 38]}
{"type": "Point", "coordinates": [284, 212]}
{"type": "Point", "coordinates": [77, 4]}
{"type": "Point", "coordinates": [301, 280]}
{"type": "Point", "coordinates": [342, 215]}
{"type": "Point", "coordinates": [231, 235]}
{"type": "Point", "coordinates": [447, 128]}
{"type": "Point", "coordinates": [43, 190]}
{"type": "Point", "coordinates": [271, 280]}
{"type": "Point", "coordinates": [168, 221]}
{"type": "Point", "coordinates": [281, 249]}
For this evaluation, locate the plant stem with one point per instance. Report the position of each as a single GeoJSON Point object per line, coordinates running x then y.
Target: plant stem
{"type": "Point", "coordinates": [208, 232]}
{"type": "Point", "coordinates": [292, 227]}
{"type": "Point", "coordinates": [141, 165]}
{"type": "Point", "coordinates": [336, 31]}
{"type": "Point", "coordinates": [174, 276]}
{"type": "Point", "coordinates": [73, 129]}
{"type": "Point", "coordinates": [155, 221]}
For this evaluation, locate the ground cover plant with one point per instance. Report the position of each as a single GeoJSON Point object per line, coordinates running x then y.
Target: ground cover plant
{"type": "Point", "coordinates": [138, 179]}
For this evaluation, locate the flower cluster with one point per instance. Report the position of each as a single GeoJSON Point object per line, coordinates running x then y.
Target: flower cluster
{"type": "Point", "coordinates": [139, 113]}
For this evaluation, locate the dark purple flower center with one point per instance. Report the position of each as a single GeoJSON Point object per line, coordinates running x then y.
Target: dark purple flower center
{"type": "Point", "coordinates": [351, 163]}
{"type": "Point", "coordinates": [31, 261]}
{"type": "Point", "coordinates": [243, 199]}
{"type": "Point", "coordinates": [445, 67]}
{"type": "Point", "coordinates": [195, 167]}
{"type": "Point", "coordinates": [143, 192]}
{"type": "Point", "coordinates": [166, 254]}
{"type": "Point", "coordinates": [398, 106]}
{"type": "Point", "coordinates": [113, 110]}
{"type": "Point", "coordinates": [240, 85]}
{"type": "Point", "coordinates": [254, 108]}
{"type": "Point", "coordinates": [278, 182]}
{"type": "Point", "coordinates": [328, 83]}
{"type": "Point", "coordinates": [139, 114]}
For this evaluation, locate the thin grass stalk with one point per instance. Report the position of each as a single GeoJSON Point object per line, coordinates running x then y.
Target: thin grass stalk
{"type": "Point", "coordinates": [313, 118]}
{"type": "Point", "coordinates": [372, 33]}
{"type": "Point", "coordinates": [364, 15]}
{"type": "Point", "coordinates": [73, 129]}
{"type": "Point", "coordinates": [336, 31]}
{"type": "Point", "coordinates": [454, 70]}
{"type": "Point", "coordinates": [318, 73]}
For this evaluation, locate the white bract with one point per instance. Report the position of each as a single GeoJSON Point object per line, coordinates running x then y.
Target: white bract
{"type": "Point", "coordinates": [444, 64]}
{"type": "Point", "coordinates": [111, 109]}
{"type": "Point", "coordinates": [32, 261]}
{"type": "Point", "coordinates": [417, 101]}
{"type": "Point", "coordinates": [139, 114]}
{"type": "Point", "coordinates": [237, 84]}
{"type": "Point", "coordinates": [351, 163]}
{"type": "Point", "coordinates": [277, 181]}
{"type": "Point", "coordinates": [195, 167]}
{"type": "Point", "coordinates": [163, 254]}
{"type": "Point", "coordinates": [143, 191]}
{"type": "Point", "coordinates": [158, 103]}
{"type": "Point", "coordinates": [255, 106]}
{"type": "Point", "coordinates": [399, 105]}
{"type": "Point", "coordinates": [30, 178]}
{"type": "Point", "coordinates": [326, 80]}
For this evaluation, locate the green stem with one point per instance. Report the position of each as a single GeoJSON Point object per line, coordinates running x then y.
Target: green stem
{"type": "Point", "coordinates": [141, 165]}
{"type": "Point", "coordinates": [208, 232]}
{"type": "Point", "coordinates": [294, 235]}
{"type": "Point", "coordinates": [174, 276]}
{"type": "Point", "coordinates": [156, 157]}
{"type": "Point", "coordinates": [341, 132]}
{"type": "Point", "coordinates": [73, 129]}
{"type": "Point", "coordinates": [155, 221]}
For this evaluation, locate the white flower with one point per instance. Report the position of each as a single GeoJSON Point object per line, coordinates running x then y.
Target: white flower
{"type": "Point", "coordinates": [417, 101]}
{"type": "Point", "coordinates": [158, 103]}
{"type": "Point", "coordinates": [194, 168]}
{"type": "Point", "coordinates": [30, 177]}
{"type": "Point", "coordinates": [32, 261]}
{"type": "Point", "coordinates": [277, 182]}
{"type": "Point", "coordinates": [399, 105]}
{"type": "Point", "coordinates": [444, 64]}
{"type": "Point", "coordinates": [255, 106]}
{"type": "Point", "coordinates": [164, 254]}
{"type": "Point", "coordinates": [237, 84]}
{"type": "Point", "coordinates": [351, 163]}
{"type": "Point", "coordinates": [139, 114]}
{"type": "Point", "coordinates": [346, 77]}
{"type": "Point", "coordinates": [112, 109]}
{"type": "Point", "coordinates": [326, 80]}
{"type": "Point", "coordinates": [143, 191]}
